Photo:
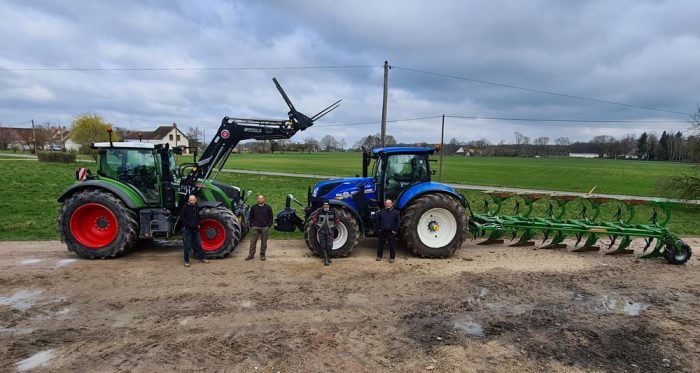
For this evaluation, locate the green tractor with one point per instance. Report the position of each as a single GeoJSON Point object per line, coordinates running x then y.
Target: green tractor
{"type": "Point", "coordinates": [138, 190]}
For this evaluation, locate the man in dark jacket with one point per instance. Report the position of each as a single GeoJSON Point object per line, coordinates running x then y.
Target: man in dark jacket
{"type": "Point", "coordinates": [260, 219]}
{"type": "Point", "coordinates": [189, 215]}
{"type": "Point", "coordinates": [325, 219]}
{"type": "Point", "coordinates": [388, 221]}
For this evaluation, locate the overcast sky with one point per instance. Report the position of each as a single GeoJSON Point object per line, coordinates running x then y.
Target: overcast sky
{"type": "Point", "coordinates": [644, 53]}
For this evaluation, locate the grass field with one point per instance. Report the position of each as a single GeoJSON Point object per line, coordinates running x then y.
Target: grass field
{"type": "Point", "coordinates": [567, 174]}
{"type": "Point", "coordinates": [28, 210]}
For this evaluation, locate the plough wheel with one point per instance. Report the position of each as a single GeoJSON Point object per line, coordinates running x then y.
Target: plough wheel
{"type": "Point", "coordinates": [434, 226]}
{"type": "Point", "coordinates": [678, 253]}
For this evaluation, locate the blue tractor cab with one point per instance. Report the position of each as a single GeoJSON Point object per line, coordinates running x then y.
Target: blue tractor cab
{"type": "Point", "coordinates": [433, 220]}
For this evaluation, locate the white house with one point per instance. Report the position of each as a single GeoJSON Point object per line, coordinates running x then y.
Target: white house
{"type": "Point", "coordinates": [161, 135]}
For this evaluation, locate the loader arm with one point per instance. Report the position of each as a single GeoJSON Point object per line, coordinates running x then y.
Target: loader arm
{"type": "Point", "coordinates": [234, 130]}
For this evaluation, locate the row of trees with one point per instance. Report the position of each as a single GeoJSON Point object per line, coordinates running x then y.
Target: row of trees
{"type": "Point", "coordinates": [648, 146]}
{"type": "Point", "coordinates": [25, 138]}
{"type": "Point", "coordinates": [328, 143]}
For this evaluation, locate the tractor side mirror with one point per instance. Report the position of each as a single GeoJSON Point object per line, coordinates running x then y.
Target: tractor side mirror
{"type": "Point", "coordinates": [247, 194]}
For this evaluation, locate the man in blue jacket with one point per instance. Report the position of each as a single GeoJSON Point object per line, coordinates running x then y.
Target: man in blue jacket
{"type": "Point", "coordinates": [388, 221]}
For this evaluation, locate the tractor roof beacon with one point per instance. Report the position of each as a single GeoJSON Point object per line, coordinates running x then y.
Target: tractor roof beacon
{"type": "Point", "coordinates": [138, 190]}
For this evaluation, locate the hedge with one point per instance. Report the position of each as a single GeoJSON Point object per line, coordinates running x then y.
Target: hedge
{"type": "Point", "coordinates": [59, 157]}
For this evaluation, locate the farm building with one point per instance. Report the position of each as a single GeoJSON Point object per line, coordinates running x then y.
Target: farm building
{"type": "Point", "coordinates": [583, 155]}
{"type": "Point", "coordinates": [161, 135]}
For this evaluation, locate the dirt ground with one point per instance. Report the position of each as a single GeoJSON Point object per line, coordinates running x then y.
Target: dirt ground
{"type": "Point", "coordinates": [487, 308]}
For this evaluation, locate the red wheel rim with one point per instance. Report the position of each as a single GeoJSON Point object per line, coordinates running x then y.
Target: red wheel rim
{"type": "Point", "coordinates": [94, 225]}
{"type": "Point", "coordinates": [212, 234]}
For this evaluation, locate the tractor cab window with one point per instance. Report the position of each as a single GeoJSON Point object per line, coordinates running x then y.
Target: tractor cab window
{"type": "Point", "coordinates": [173, 167]}
{"type": "Point", "coordinates": [403, 170]}
{"type": "Point", "coordinates": [132, 166]}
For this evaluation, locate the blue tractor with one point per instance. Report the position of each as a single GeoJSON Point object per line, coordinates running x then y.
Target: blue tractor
{"type": "Point", "coordinates": [433, 219]}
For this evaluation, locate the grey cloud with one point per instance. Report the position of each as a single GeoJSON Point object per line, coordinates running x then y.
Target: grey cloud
{"type": "Point", "coordinates": [641, 52]}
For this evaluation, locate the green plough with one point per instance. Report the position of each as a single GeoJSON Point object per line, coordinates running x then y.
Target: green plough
{"type": "Point", "coordinates": [555, 218]}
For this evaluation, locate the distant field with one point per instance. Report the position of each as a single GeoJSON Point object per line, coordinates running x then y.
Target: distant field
{"type": "Point", "coordinates": [568, 174]}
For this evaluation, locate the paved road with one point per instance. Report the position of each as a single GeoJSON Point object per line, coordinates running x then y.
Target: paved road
{"type": "Point", "coordinates": [480, 187]}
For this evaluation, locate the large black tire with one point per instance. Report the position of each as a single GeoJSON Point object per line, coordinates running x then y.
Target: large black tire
{"type": "Point", "coordinates": [96, 224]}
{"type": "Point", "coordinates": [433, 211]}
{"type": "Point", "coordinates": [678, 254]}
{"type": "Point", "coordinates": [219, 231]}
{"type": "Point", "coordinates": [347, 235]}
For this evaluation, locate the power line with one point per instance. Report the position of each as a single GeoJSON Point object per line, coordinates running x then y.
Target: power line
{"type": "Point", "coordinates": [516, 120]}
{"type": "Point", "coordinates": [185, 68]}
{"type": "Point", "coordinates": [539, 90]}
{"type": "Point", "coordinates": [378, 122]}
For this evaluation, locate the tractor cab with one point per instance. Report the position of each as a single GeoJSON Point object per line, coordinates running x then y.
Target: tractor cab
{"type": "Point", "coordinates": [138, 165]}
{"type": "Point", "coordinates": [396, 169]}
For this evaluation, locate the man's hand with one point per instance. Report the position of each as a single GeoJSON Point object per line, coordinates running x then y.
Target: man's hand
{"type": "Point", "coordinates": [394, 232]}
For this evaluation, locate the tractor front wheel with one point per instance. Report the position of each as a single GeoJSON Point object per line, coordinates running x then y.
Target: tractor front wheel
{"type": "Point", "coordinates": [345, 236]}
{"type": "Point", "coordinates": [219, 231]}
{"type": "Point", "coordinates": [96, 224]}
{"type": "Point", "coordinates": [433, 226]}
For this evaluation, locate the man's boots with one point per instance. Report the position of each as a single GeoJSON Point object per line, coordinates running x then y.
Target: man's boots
{"type": "Point", "coordinates": [328, 253]}
{"type": "Point", "coordinates": [326, 261]}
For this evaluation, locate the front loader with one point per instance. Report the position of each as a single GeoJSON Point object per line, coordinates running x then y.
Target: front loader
{"type": "Point", "coordinates": [138, 190]}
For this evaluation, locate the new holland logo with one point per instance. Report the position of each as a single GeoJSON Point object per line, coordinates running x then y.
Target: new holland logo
{"type": "Point", "coordinates": [225, 134]}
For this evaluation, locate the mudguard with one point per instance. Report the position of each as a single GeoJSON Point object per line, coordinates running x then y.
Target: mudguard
{"type": "Point", "coordinates": [131, 198]}
{"type": "Point", "coordinates": [335, 202]}
{"type": "Point", "coordinates": [416, 190]}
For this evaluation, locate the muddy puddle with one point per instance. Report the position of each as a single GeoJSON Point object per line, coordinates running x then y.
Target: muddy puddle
{"type": "Point", "coordinates": [39, 359]}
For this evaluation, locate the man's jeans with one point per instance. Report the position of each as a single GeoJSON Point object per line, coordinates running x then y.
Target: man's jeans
{"type": "Point", "coordinates": [192, 241]}
{"type": "Point", "coordinates": [256, 232]}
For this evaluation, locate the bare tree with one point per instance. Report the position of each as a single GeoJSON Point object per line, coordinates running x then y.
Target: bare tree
{"type": "Point", "coordinates": [342, 144]}
{"type": "Point", "coordinates": [311, 144]}
{"type": "Point", "coordinates": [328, 143]}
{"type": "Point", "coordinates": [686, 185]}
{"type": "Point", "coordinates": [562, 141]}
{"type": "Point", "coordinates": [521, 143]}
{"type": "Point", "coordinates": [541, 145]}
{"type": "Point", "coordinates": [195, 137]}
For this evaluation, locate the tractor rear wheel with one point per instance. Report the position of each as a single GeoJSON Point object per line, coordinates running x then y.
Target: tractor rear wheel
{"type": "Point", "coordinates": [678, 253]}
{"type": "Point", "coordinates": [433, 226]}
{"type": "Point", "coordinates": [345, 236]}
{"type": "Point", "coordinates": [219, 231]}
{"type": "Point", "coordinates": [96, 224]}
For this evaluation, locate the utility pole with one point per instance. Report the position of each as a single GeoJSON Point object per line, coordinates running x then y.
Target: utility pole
{"type": "Point", "coordinates": [386, 87]}
{"type": "Point", "coordinates": [442, 144]}
{"type": "Point", "coordinates": [34, 136]}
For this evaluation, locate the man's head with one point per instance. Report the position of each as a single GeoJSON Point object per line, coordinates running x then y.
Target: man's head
{"type": "Point", "coordinates": [388, 204]}
{"type": "Point", "coordinates": [192, 199]}
{"type": "Point", "coordinates": [326, 205]}
{"type": "Point", "coordinates": [261, 199]}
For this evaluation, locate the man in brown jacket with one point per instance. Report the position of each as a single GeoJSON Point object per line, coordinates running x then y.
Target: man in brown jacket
{"type": "Point", "coordinates": [260, 219]}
